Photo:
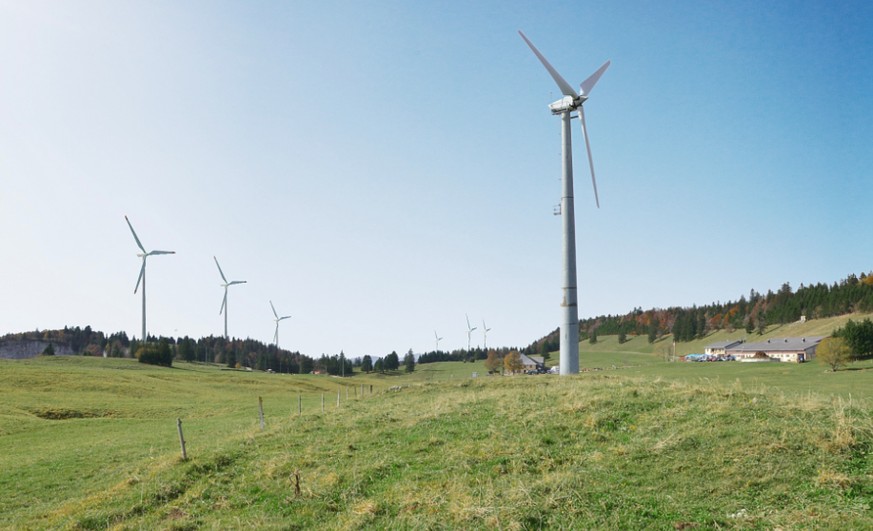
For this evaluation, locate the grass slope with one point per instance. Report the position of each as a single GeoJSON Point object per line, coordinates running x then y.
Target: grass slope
{"type": "Point", "coordinates": [91, 444]}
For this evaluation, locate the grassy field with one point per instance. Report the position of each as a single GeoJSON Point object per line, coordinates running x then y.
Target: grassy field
{"type": "Point", "coordinates": [92, 444]}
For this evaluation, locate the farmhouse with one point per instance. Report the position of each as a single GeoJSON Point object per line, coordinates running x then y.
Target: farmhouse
{"type": "Point", "coordinates": [532, 363]}
{"type": "Point", "coordinates": [719, 348]}
{"type": "Point", "coordinates": [791, 349]}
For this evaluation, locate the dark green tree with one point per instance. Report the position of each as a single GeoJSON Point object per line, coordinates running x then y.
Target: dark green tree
{"type": "Point", "coordinates": [409, 361]}
{"type": "Point", "coordinates": [367, 363]}
{"type": "Point", "coordinates": [392, 361]}
{"type": "Point", "coordinates": [49, 350]}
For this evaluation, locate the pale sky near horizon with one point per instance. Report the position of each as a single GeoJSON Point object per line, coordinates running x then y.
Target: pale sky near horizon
{"type": "Point", "coordinates": [380, 169]}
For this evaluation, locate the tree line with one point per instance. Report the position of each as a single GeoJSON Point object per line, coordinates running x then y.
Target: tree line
{"type": "Point", "coordinates": [751, 314]}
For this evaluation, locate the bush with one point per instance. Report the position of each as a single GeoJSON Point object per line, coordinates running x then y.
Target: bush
{"type": "Point", "coordinates": [155, 354]}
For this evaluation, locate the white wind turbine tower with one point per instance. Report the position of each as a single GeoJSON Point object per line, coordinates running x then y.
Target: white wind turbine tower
{"type": "Point", "coordinates": [224, 301]}
{"type": "Point", "coordinates": [277, 319]}
{"type": "Point", "coordinates": [438, 339]}
{"type": "Point", "coordinates": [565, 106]}
{"type": "Point", "coordinates": [485, 331]}
{"type": "Point", "coordinates": [145, 254]}
{"type": "Point", "coordinates": [469, 331]}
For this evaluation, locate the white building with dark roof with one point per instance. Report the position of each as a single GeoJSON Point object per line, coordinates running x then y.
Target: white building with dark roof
{"type": "Point", "coordinates": [790, 349]}
{"type": "Point", "coordinates": [719, 348]}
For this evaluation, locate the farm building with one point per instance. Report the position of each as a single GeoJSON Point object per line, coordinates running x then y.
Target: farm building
{"type": "Point", "coordinates": [532, 363]}
{"type": "Point", "coordinates": [719, 348]}
{"type": "Point", "coordinates": [790, 349]}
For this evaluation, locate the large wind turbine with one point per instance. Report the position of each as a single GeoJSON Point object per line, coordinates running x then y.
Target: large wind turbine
{"type": "Point", "coordinates": [571, 101]}
{"type": "Point", "coordinates": [145, 254]}
{"type": "Point", "coordinates": [277, 319]}
{"type": "Point", "coordinates": [469, 331]}
{"type": "Point", "coordinates": [485, 331]}
{"type": "Point", "coordinates": [224, 301]}
{"type": "Point", "coordinates": [438, 339]}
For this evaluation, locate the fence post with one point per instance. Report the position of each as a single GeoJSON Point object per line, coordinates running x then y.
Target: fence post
{"type": "Point", "coordinates": [299, 404]}
{"type": "Point", "coordinates": [322, 403]}
{"type": "Point", "coordinates": [338, 391]}
{"type": "Point", "coordinates": [182, 440]}
{"type": "Point", "coordinates": [261, 411]}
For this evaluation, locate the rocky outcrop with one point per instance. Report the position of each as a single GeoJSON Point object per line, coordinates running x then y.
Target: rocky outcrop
{"type": "Point", "coordinates": [18, 349]}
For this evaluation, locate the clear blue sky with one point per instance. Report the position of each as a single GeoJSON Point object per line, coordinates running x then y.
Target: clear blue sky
{"type": "Point", "coordinates": [379, 169]}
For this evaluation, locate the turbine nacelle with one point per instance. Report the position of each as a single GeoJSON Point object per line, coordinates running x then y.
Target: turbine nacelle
{"type": "Point", "coordinates": [567, 104]}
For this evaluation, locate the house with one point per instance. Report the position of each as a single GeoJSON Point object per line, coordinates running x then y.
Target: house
{"type": "Point", "coordinates": [719, 348]}
{"type": "Point", "coordinates": [790, 349]}
{"type": "Point", "coordinates": [532, 363]}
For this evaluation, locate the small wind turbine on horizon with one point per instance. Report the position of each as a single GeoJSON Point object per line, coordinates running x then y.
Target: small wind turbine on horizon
{"type": "Point", "coordinates": [145, 254]}
{"type": "Point", "coordinates": [571, 101]}
{"type": "Point", "coordinates": [277, 319]}
{"type": "Point", "coordinates": [224, 301]}
{"type": "Point", "coordinates": [469, 331]}
{"type": "Point", "coordinates": [485, 331]}
{"type": "Point", "coordinates": [438, 339]}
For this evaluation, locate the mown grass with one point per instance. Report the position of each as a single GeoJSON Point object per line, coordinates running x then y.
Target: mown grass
{"type": "Point", "coordinates": [618, 449]}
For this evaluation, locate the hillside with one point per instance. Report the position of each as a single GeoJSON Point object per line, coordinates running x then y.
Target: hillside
{"type": "Point", "coordinates": [92, 443]}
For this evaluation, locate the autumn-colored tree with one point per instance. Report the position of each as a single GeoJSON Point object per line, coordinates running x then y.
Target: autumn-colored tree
{"type": "Point", "coordinates": [493, 362]}
{"type": "Point", "coordinates": [512, 362]}
{"type": "Point", "coordinates": [834, 352]}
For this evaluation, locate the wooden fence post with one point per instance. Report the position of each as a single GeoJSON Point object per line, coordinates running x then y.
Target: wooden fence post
{"type": "Point", "coordinates": [261, 411]}
{"type": "Point", "coordinates": [322, 403]}
{"type": "Point", "coordinates": [182, 440]}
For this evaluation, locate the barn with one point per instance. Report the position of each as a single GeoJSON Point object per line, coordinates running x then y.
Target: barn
{"type": "Point", "coordinates": [790, 349]}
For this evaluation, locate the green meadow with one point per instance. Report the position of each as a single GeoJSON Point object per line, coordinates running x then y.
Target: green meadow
{"type": "Point", "coordinates": [640, 442]}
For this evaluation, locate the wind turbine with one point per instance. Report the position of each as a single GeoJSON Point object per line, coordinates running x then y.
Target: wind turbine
{"type": "Point", "coordinates": [571, 101]}
{"type": "Point", "coordinates": [224, 301]}
{"type": "Point", "coordinates": [485, 331]}
{"type": "Point", "coordinates": [438, 339]}
{"type": "Point", "coordinates": [277, 319]}
{"type": "Point", "coordinates": [145, 254]}
{"type": "Point", "coordinates": [469, 331]}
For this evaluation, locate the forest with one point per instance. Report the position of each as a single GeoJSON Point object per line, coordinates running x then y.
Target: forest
{"type": "Point", "coordinates": [751, 314]}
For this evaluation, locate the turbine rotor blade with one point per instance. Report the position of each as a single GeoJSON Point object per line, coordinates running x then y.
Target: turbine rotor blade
{"type": "Point", "coordinates": [162, 252]}
{"type": "Point", "coordinates": [566, 88]}
{"type": "Point", "coordinates": [274, 310]}
{"type": "Point", "coordinates": [220, 272]}
{"type": "Point", "coordinates": [141, 275]}
{"type": "Point", "coordinates": [586, 86]}
{"type": "Point", "coordinates": [235, 282]}
{"type": "Point", "coordinates": [223, 302]}
{"type": "Point", "coordinates": [135, 237]}
{"type": "Point", "coordinates": [590, 159]}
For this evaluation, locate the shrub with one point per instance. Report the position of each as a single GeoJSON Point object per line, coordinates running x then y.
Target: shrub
{"type": "Point", "coordinates": [155, 354]}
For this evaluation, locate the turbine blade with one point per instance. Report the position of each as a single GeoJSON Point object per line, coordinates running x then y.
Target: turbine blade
{"type": "Point", "coordinates": [235, 282]}
{"type": "Point", "coordinates": [223, 302]}
{"type": "Point", "coordinates": [566, 88]}
{"type": "Point", "coordinates": [135, 237]}
{"type": "Point", "coordinates": [274, 310]}
{"type": "Point", "coordinates": [162, 252]}
{"type": "Point", "coordinates": [586, 86]}
{"type": "Point", "coordinates": [141, 275]}
{"type": "Point", "coordinates": [220, 272]}
{"type": "Point", "coordinates": [285, 317]}
{"type": "Point", "coordinates": [588, 147]}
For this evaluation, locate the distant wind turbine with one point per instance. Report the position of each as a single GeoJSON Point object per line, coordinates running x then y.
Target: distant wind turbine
{"type": "Point", "coordinates": [145, 254]}
{"type": "Point", "coordinates": [469, 331]}
{"type": "Point", "coordinates": [438, 339]}
{"type": "Point", "coordinates": [485, 331]}
{"type": "Point", "coordinates": [565, 106]}
{"type": "Point", "coordinates": [224, 301]}
{"type": "Point", "coordinates": [277, 319]}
